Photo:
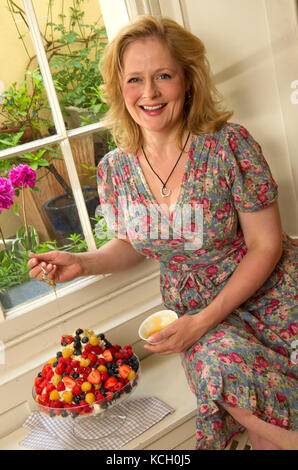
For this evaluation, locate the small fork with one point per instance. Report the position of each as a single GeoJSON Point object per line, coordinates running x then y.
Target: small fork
{"type": "Point", "coordinates": [46, 279]}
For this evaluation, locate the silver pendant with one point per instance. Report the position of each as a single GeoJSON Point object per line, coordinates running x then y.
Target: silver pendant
{"type": "Point", "coordinates": [165, 192]}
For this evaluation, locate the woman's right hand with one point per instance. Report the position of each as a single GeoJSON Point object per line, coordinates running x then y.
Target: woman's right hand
{"type": "Point", "coordinates": [60, 266]}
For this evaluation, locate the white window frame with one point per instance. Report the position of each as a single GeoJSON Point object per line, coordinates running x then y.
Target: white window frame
{"type": "Point", "coordinates": [27, 318]}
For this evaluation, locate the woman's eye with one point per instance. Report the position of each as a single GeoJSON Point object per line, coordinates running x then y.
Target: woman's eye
{"type": "Point", "coordinates": [164, 75]}
{"type": "Point", "coordinates": [133, 80]}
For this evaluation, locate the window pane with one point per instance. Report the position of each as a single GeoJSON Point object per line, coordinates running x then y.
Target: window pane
{"type": "Point", "coordinates": [74, 37]}
{"type": "Point", "coordinates": [24, 109]}
{"type": "Point", "coordinates": [45, 218]}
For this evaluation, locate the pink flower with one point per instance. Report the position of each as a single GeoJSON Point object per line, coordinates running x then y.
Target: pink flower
{"type": "Point", "coordinates": [262, 197]}
{"type": "Point", "coordinates": [281, 397]}
{"type": "Point", "coordinates": [204, 409]}
{"type": "Point", "coordinates": [245, 165]}
{"type": "Point", "coordinates": [211, 270]}
{"type": "Point", "coordinates": [243, 132]}
{"type": "Point", "coordinates": [6, 194]}
{"type": "Point", "coordinates": [235, 357]}
{"type": "Point", "coordinates": [22, 176]}
{"type": "Point", "coordinates": [224, 358]}
{"type": "Point", "coordinates": [217, 425]}
{"type": "Point", "coordinates": [231, 399]}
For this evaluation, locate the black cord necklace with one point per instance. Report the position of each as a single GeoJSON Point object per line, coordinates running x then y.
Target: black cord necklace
{"type": "Point", "coordinates": [164, 191]}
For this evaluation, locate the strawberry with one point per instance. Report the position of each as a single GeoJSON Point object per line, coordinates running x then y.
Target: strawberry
{"type": "Point", "coordinates": [69, 382]}
{"type": "Point", "coordinates": [97, 349]}
{"type": "Point", "coordinates": [88, 348]}
{"type": "Point", "coordinates": [101, 361]}
{"type": "Point", "coordinates": [77, 390]}
{"type": "Point", "coordinates": [110, 382]}
{"type": "Point", "coordinates": [50, 387]}
{"type": "Point", "coordinates": [38, 381]}
{"type": "Point", "coordinates": [60, 369]}
{"type": "Point", "coordinates": [94, 377]}
{"type": "Point", "coordinates": [103, 375]}
{"type": "Point", "coordinates": [43, 399]}
{"type": "Point", "coordinates": [99, 396]}
{"type": "Point", "coordinates": [108, 355]}
{"type": "Point", "coordinates": [60, 386]}
{"type": "Point", "coordinates": [109, 395]}
{"type": "Point", "coordinates": [93, 358]}
{"type": "Point", "coordinates": [118, 386]}
{"type": "Point", "coordinates": [124, 370]}
{"type": "Point", "coordinates": [45, 370]}
{"type": "Point", "coordinates": [75, 364]}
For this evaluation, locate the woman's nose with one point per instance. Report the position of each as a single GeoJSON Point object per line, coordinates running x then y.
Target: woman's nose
{"type": "Point", "coordinates": [150, 89]}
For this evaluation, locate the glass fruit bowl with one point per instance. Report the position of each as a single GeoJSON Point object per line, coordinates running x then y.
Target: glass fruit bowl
{"type": "Point", "coordinates": [86, 379]}
{"type": "Point", "coordinates": [86, 406]}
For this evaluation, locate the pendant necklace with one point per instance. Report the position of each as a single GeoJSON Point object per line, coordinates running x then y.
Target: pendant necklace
{"type": "Point", "coordinates": [164, 191]}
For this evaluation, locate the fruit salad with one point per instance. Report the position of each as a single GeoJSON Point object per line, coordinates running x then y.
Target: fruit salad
{"type": "Point", "coordinates": [86, 376]}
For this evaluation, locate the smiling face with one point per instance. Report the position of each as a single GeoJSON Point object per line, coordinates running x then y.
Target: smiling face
{"type": "Point", "coordinates": [153, 86]}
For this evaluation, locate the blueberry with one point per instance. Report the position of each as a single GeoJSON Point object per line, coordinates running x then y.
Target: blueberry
{"type": "Point", "coordinates": [85, 339]}
{"type": "Point", "coordinates": [52, 414]}
{"type": "Point", "coordinates": [77, 352]}
{"type": "Point", "coordinates": [64, 344]}
{"type": "Point", "coordinates": [64, 414]}
{"type": "Point", "coordinates": [79, 331]}
{"type": "Point", "coordinates": [74, 415]}
{"type": "Point", "coordinates": [117, 394]}
{"type": "Point", "coordinates": [104, 405]}
{"type": "Point", "coordinates": [101, 336]}
{"type": "Point", "coordinates": [75, 375]}
{"type": "Point", "coordinates": [39, 374]}
{"type": "Point", "coordinates": [59, 354]}
{"type": "Point", "coordinates": [77, 399]}
{"type": "Point", "coordinates": [108, 344]}
{"type": "Point", "coordinates": [128, 388]}
{"type": "Point", "coordinates": [55, 364]}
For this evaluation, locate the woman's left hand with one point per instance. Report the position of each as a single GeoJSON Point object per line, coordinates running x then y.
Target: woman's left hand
{"type": "Point", "coordinates": [179, 335]}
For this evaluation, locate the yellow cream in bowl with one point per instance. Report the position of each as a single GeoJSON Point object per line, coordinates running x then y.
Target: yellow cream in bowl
{"type": "Point", "coordinates": [156, 322]}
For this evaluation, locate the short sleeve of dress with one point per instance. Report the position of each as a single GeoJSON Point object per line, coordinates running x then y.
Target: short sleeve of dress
{"type": "Point", "coordinates": [110, 207]}
{"type": "Point", "coordinates": [247, 171]}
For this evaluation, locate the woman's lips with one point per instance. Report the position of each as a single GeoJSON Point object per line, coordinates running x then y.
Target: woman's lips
{"type": "Point", "coordinates": [153, 110]}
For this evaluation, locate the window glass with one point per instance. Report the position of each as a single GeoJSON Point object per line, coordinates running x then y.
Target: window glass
{"type": "Point", "coordinates": [37, 209]}
{"type": "Point", "coordinates": [74, 38]}
{"type": "Point", "coordinates": [24, 108]}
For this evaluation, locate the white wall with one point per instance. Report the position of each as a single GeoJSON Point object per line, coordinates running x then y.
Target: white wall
{"type": "Point", "coordinates": [253, 50]}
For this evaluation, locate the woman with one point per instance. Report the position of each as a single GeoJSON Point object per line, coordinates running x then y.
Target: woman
{"type": "Point", "coordinates": [229, 276]}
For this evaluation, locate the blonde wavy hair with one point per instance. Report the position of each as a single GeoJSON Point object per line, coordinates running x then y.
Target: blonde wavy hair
{"type": "Point", "coordinates": [203, 112]}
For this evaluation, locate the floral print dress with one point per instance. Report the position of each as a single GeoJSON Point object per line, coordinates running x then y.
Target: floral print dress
{"type": "Point", "coordinates": [249, 359]}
